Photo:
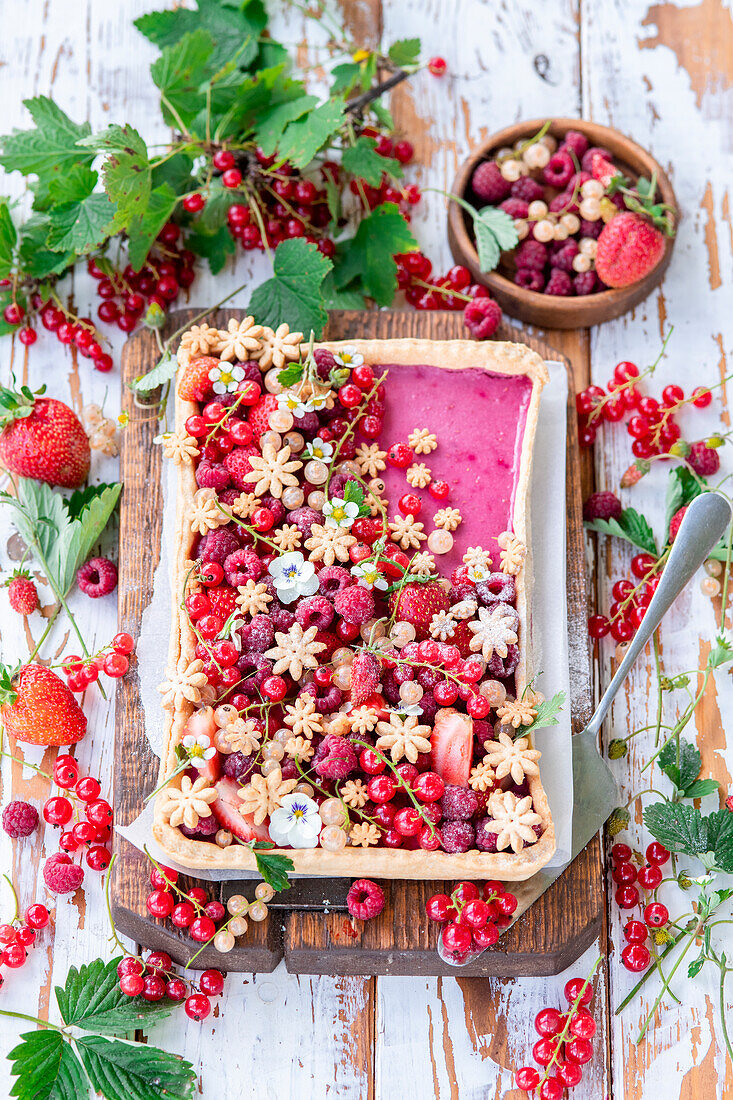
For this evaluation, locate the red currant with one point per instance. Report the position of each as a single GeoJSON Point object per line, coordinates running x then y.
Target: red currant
{"type": "Point", "coordinates": [440, 908]}
{"type": "Point", "coordinates": [624, 874]}
{"type": "Point", "coordinates": [671, 395]}
{"type": "Point", "coordinates": [58, 810]}
{"type": "Point", "coordinates": [582, 1025]}
{"type": "Point", "coordinates": [636, 957]}
{"type": "Point", "coordinates": [381, 788]}
{"type": "Point", "coordinates": [650, 877]}
{"type": "Point", "coordinates": [627, 897]}
{"type": "Point", "coordinates": [657, 853]}
{"type": "Point", "coordinates": [527, 1078]}
{"type": "Point", "coordinates": [99, 812]}
{"type": "Point", "coordinates": [635, 932]}
{"type": "Point", "coordinates": [211, 982]}
{"type": "Point", "coordinates": [548, 1022]}
{"type": "Point", "coordinates": [656, 914]}
{"type": "Point", "coordinates": [182, 914]}
{"type": "Point", "coordinates": [201, 929]}
{"type": "Point", "coordinates": [131, 984]}
{"type": "Point", "coordinates": [37, 915]}
{"type": "Point", "coordinates": [197, 1006]}
{"type": "Point", "coordinates": [194, 203]}
{"type": "Point", "coordinates": [88, 788]}
{"type": "Point", "coordinates": [115, 665]}
{"type": "Point", "coordinates": [160, 903]}
{"type": "Point", "coordinates": [456, 938]}
{"type": "Point", "coordinates": [701, 397]}
{"type": "Point", "coordinates": [98, 857]}
{"type": "Point", "coordinates": [176, 989]}
{"type": "Point", "coordinates": [371, 762]}
{"type": "Point", "coordinates": [577, 989]}
{"type": "Point", "coordinates": [543, 1052]}
{"type": "Point", "coordinates": [551, 1089]}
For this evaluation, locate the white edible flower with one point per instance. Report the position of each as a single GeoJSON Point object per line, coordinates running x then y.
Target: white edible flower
{"type": "Point", "coordinates": [290, 401]}
{"type": "Point", "coordinates": [199, 749]}
{"type": "Point", "coordinates": [319, 450]}
{"type": "Point", "coordinates": [477, 573]}
{"type": "Point", "coordinates": [226, 378]}
{"type": "Point", "coordinates": [409, 710]}
{"type": "Point", "coordinates": [368, 576]}
{"type": "Point", "coordinates": [340, 513]}
{"type": "Point", "coordinates": [348, 357]}
{"type": "Point", "coordinates": [295, 822]}
{"type": "Point", "coordinates": [293, 576]}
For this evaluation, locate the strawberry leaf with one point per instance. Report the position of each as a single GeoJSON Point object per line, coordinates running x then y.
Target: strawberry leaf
{"type": "Point", "coordinates": [631, 526]}
{"type": "Point", "coordinates": [273, 868]}
{"type": "Point", "coordinates": [679, 827]}
{"type": "Point", "coordinates": [91, 998]}
{"type": "Point", "coordinates": [161, 373]}
{"type": "Point", "coordinates": [293, 294]}
{"type": "Point", "coordinates": [369, 255]}
{"type": "Point", "coordinates": [46, 1068]}
{"type": "Point", "coordinates": [684, 772]}
{"type": "Point", "coordinates": [495, 233]}
{"type": "Point", "coordinates": [361, 160]}
{"type": "Point", "coordinates": [547, 714]}
{"type": "Point", "coordinates": [405, 52]}
{"type": "Point", "coordinates": [121, 1071]}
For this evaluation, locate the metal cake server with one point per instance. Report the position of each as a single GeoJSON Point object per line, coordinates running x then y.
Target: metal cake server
{"type": "Point", "coordinates": [595, 792]}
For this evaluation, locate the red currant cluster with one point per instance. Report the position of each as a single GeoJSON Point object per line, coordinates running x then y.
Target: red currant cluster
{"type": "Point", "coordinates": [471, 917]}
{"type": "Point", "coordinates": [93, 830]}
{"type": "Point", "coordinates": [453, 291]}
{"type": "Point", "coordinates": [636, 955]}
{"type": "Point", "coordinates": [564, 1046]}
{"type": "Point", "coordinates": [651, 423]}
{"type": "Point", "coordinates": [112, 660]}
{"type": "Point", "coordinates": [18, 935]}
{"type": "Point", "coordinates": [630, 601]}
{"type": "Point", "coordinates": [125, 294]}
{"type": "Point", "coordinates": [154, 978]}
{"type": "Point", "coordinates": [203, 918]}
{"type": "Point", "coordinates": [69, 328]}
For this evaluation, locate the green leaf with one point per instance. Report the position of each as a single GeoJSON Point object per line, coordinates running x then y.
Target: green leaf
{"type": "Point", "coordinates": [679, 827]}
{"type": "Point", "coordinates": [682, 488]}
{"type": "Point", "coordinates": [701, 787]}
{"type": "Point", "coordinates": [143, 229]}
{"type": "Point", "coordinates": [404, 52]}
{"type": "Point", "coordinates": [81, 498]}
{"type": "Point", "coordinates": [345, 77]}
{"type": "Point", "coordinates": [126, 169]}
{"type": "Point", "coordinates": [271, 124]}
{"type": "Point", "coordinates": [176, 172]}
{"type": "Point", "coordinates": [273, 868]}
{"type": "Point", "coordinates": [293, 294]}
{"type": "Point", "coordinates": [218, 200]}
{"type": "Point", "coordinates": [49, 149]}
{"type": "Point", "coordinates": [340, 299]}
{"type": "Point", "coordinates": [234, 28]}
{"type": "Point", "coordinates": [696, 966]}
{"type": "Point", "coordinates": [547, 714]}
{"type": "Point", "coordinates": [690, 762]}
{"type": "Point", "coordinates": [353, 493]}
{"type": "Point", "coordinates": [180, 72]}
{"type": "Point", "coordinates": [720, 838]}
{"type": "Point", "coordinates": [8, 240]}
{"type": "Point", "coordinates": [46, 1068]}
{"type": "Point", "coordinates": [382, 114]}
{"type": "Point", "coordinates": [161, 373]}
{"type": "Point", "coordinates": [92, 999]}
{"type": "Point", "coordinates": [73, 549]}
{"type": "Point", "coordinates": [74, 186]}
{"type": "Point", "coordinates": [361, 160]}
{"type": "Point", "coordinates": [721, 653]}
{"type": "Point", "coordinates": [81, 226]}
{"type": "Point", "coordinates": [135, 1071]}
{"type": "Point", "coordinates": [215, 247]}
{"type": "Point", "coordinates": [36, 259]}
{"type": "Point", "coordinates": [369, 254]}
{"type": "Point", "coordinates": [495, 233]}
{"type": "Point", "coordinates": [303, 138]}
{"type": "Point", "coordinates": [632, 527]}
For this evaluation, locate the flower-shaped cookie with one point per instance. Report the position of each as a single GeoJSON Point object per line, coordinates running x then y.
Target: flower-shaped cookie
{"type": "Point", "coordinates": [253, 598]}
{"type": "Point", "coordinates": [370, 459]}
{"type": "Point", "coordinates": [513, 552]}
{"type": "Point", "coordinates": [418, 475]}
{"type": "Point", "coordinates": [239, 340]}
{"type": "Point", "coordinates": [302, 716]}
{"type": "Point", "coordinates": [287, 538]}
{"type": "Point", "coordinates": [493, 631]}
{"type": "Point", "coordinates": [205, 513]}
{"type": "Point", "coordinates": [422, 564]}
{"type": "Point", "coordinates": [442, 625]}
{"type": "Point", "coordinates": [263, 794]}
{"type": "Point", "coordinates": [448, 519]}
{"type": "Point", "coordinates": [299, 748]}
{"type": "Point", "coordinates": [199, 340]}
{"type": "Point", "coordinates": [183, 683]}
{"type": "Point", "coordinates": [327, 544]}
{"type": "Point", "coordinates": [403, 736]}
{"type": "Point", "coordinates": [295, 650]}
{"type": "Point", "coordinates": [362, 720]}
{"type": "Point", "coordinates": [244, 505]}
{"type": "Point", "coordinates": [180, 447]}
{"type": "Point", "coordinates": [354, 793]}
{"type": "Point", "coordinates": [513, 819]}
{"type": "Point", "coordinates": [364, 834]}
{"type": "Point", "coordinates": [478, 558]}
{"type": "Point", "coordinates": [422, 441]}
{"type": "Point", "coordinates": [481, 777]}
{"type": "Point", "coordinates": [407, 531]}
{"type": "Point", "coordinates": [513, 758]}
{"type": "Point", "coordinates": [279, 347]}
{"type": "Point", "coordinates": [243, 735]}
{"type": "Point", "coordinates": [520, 712]}
{"type": "Point", "coordinates": [186, 805]}
{"type": "Point", "coordinates": [272, 471]}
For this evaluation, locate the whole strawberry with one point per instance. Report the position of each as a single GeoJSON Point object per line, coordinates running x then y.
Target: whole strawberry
{"type": "Point", "coordinates": [38, 708]}
{"type": "Point", "coordinates": [629, 247]}
{"type": "Point", "coordinates": [365, 670]}
{"type": "Point", "coordinates": [22, 592]}
{"type": "Point", "coordinates": [42, 439]}
{"type": "Point", "coordinates": [417, 602]}
{"type": "Point", "coordinates": [194, 383]}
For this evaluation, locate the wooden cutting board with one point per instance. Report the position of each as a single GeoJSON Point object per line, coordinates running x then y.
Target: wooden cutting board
{"type": "Point", "coordinates": [309, 926]}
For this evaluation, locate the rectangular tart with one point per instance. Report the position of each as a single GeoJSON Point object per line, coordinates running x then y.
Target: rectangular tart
{"type": "Point", "coordinates": [453, 425]}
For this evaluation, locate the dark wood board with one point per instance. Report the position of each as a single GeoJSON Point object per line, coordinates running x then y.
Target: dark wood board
{"type": "Point", "coordinates": [310, 927]}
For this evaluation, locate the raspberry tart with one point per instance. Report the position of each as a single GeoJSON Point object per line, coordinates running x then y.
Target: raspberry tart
{"type": "Point", "coordinates": [350, 671]}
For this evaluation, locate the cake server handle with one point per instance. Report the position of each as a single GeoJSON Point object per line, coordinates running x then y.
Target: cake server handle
{"type": "Point", "coordinates": [704, 523]}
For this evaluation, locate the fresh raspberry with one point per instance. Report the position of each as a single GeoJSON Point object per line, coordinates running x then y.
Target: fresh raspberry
{"type": "Point", "coordinates": [334, 579]}
{"type": "Point", "coordinates": [218, 545]}
{"type": "Point", "coordinates": [276, 507]}
{"type": "Point", "coordinates": [314, 611]}
{"type": "Point", "coordinates": [22, 592]}
{"type": "Point", "coordinates": [559, 170]}
{"type": "Point", "coordinates": [564, 256]}
{"type": "Point", "coordinates": [206, 826]}
{"type": "Point", "coordinates": [605, 505]}
{"type": "Point", "coordinates": [259, 634]}
{"type": "Point", "coordinates": [704, 460]}
{"type": "Point", "coordinates": [458, 803]}
{"type": "Point", "coordinates": [259, 415]}
{"type": "Point", "coordinates": [527, 189]}
{"type": "Point", "coordinates": [586, 162]}
{"type": "Point", "coordinates": [460, 592]}
{"type": "Point", "coordinates": [529, 279]}
{"type": "Point", "coordinates": [531, 254]}
{"type": "Point", "coordinates": [327, 699]}
{"type": "Point", "coordinates": [482, 317]}
{"type": "Point", "coordinates": [559, 283]}
{"type": "Point", "coordinates": [354, 604]}
{"type": "Point", "coordinates": [335, 758]}
{"type": "Point", "coordinates": [577, 180]}
{"type": "Point", "coordinates": [515, 208]}
{"type": "Point", "coordinates": [238, 465]}
{"type": "Point", "coordinates": [282, 617]}
{"type": "Point", "coordinates": [242, 566]}
{"type": "Point", "coordinates": [308, 423]}
{"type": "Point", "coordinates": [485, 840]}
{"type": "Point", "coordinates": [238, 766]}
{"type": "Point", "coordinates": [590, 229]}
{"type": "Point", "coordinates": [325, 362]}
{"type": "Point", "coordinates": [457, 836]}
{"type": "Point", "coordinates": [576, 142]}
{"type": "Point", "coordinates": [676, 520]}
{"type": "Point", "coordinates": [61, 875]}
{"type": "Point", "coordinates": [331, 641]}
{"type": "Point", "coordinates": [223, 600]}
{"type": "Point", "coordinates": [304, 518]}
{"type": "Point", "coordinates": [365, 899]}
{"type": "Point", "coordinates": [194, 384]}
{"type": "Point", "coordinates": [212, 475]}
{"type": "Point", "coordinates": [19, 818]}
{"type": "Point", "coordinates": [255, 669]}
{"type": "Point", "coordinates": [586, 282]}
{"type": "Point", "coordinates": [97, 577]}
{"type": "Point", "coordinates": [563, 203]}
{"type": "Point", "coordinates": [489, 184]}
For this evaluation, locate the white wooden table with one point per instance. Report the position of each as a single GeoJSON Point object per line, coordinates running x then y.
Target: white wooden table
{"type": "Point", "coordinates": [663, 74]}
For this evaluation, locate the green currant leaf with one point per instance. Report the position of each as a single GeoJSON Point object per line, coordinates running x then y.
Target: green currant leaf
{"type": "Point", "coordinates": [231, 26]}
{"type": "Point", "coordinates": [81, 227]}
{"type": "Point", "coordinates": [180, 72]}
{"type": "Point", "coordinates": [302, 139]}
{"type": "Point", "coordinates": [345, 77]}
{"type": "Point", "coordinates": [215, 247]}
{"type": "Point", "coordinates": [347, 298]}
{"type": "Point", "coordinates": [547, 714]}
{"type": "Point", "coordinates": [368, 256]}
{"type": "Point", "coordinates": [46, 1068]}
{"type": "Point", "coordinates": [92, 999]}
{"type": "Point", "coordinates": [361, 160]}
{"type": "Point", "coordinates": [135, 1071]}
{"type": "Point", "coordinates": [294, 293]}
{"type": "Point", "coordinates": [36, 259]}
{"type": "Point", "coordinates": [176, 172]}
{"type": "Point", "coordinates": [273, 868]}
{"type": "Point", "coordinates": [682, 488]}
{"type": "Point", "coordinates": [144, 228]}
{"type": "Point", "coordinates": [49, 149]}
{"type": "Point", "coordinates": [271, 124]}
{"type": "Point", "coordinates": [684, 772]}
{"type": "Point", "coordinates": [8, 240]}
{"type": "Point", "coordinates": [74, 186]}
{"type": "Point", "coordinates": [405, 52]}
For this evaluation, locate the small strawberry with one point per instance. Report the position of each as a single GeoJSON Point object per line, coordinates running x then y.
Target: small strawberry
{"type": "Point", "coordinates": [676, 522]}
{"type": "Point", "coordinates": [239, 466]}
{"type": "Point", "coordinates": [194, 383]}
{"type": "Point", "coordinates": [629, 247]}
{"type": "Point", "coordinates": [602, 169]}
{"type": "Point", "coordinates": [42, 438]}
{"type": "Point", "coordinates": [636, 471]}
{"type": "Point", "coordinates": [417, 602]}
{"type": "Point", "coordinates": [259, 415]}
{"type": "Point", "coordinates": [365, 670]}
{"type": "Point", "coordinates": [38, 708]}
{"type": "Point", "coordinates": [22, 592]}
{"type": "Point", "coordinates": [223, 600]}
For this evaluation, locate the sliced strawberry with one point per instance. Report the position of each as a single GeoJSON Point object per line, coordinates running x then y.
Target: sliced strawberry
{"type": "Point", "coordinates": [194, 383]}
{"type": "Point", "coordinates": [602, 169]}
{"type": "Point", "coordinates": [451, 746]}
{"type": "Point", "coordinates": [226, 812]}
{"type": "Point", "coordinates": [211, 769]}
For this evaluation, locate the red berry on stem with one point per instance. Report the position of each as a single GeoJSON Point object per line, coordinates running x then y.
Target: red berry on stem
{"type": "Point", "coordinates": [231, 178]}
{"type": "Point", "coordinates": [701, 397]}
{"type": "Point", "coordinates": [636, 957]}
{"type": "Point", "coordinates": [650, 877]}
{"type": "Point", "coordinates": [527, 1078]}
{"type": "Point", "coordinates": [132, 984]}
{"type": "Point", "coordinates": [193, 203]}
{"type": "Point", "coordinates": [578, 988]}
{"type": "Point", "coordinates": [160, 903]}
{"type": "Point", "coordinates": [548, 1022]}
{"type": "Point", "coordinates": [671, 395]}
{"type": "Point", "coordinates": [656, 914]}
{"type": "Point", "coordinates": [197, 1006]}
{"type": "Point", "coordinates": [657, 853]}
{"type": "Point", "coordinates": [211, 982]}
{"type": "Point", "coordinates": [36, 915]}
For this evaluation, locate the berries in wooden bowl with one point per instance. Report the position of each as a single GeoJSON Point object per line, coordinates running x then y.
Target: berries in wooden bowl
{"type": "Point", "coordinates": [567, 223]}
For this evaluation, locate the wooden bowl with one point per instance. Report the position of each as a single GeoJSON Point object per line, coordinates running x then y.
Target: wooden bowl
{"type": "Point", "coordinates": [545, 310]}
